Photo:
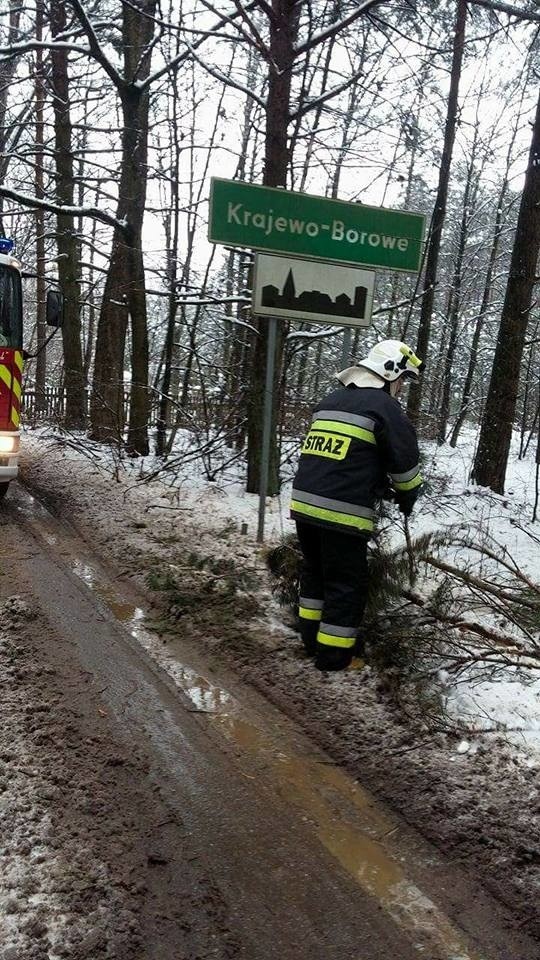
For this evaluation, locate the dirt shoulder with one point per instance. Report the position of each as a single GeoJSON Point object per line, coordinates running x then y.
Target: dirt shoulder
{"type": "Point", "coordinates": [208, 582]}
{"type": "Point", "coordinates": [86, 842]}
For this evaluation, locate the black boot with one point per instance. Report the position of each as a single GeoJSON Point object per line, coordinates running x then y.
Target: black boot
{"type": "Point", "coordinates": [332, 658]}
{"type": "Point", "coordinates": [360, 645]}
{"type": "Point", "coordinates": [308, 631]}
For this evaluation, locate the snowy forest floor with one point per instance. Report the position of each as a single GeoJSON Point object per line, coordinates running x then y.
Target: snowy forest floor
{"type": "Point", "coordinates": [476, 797]}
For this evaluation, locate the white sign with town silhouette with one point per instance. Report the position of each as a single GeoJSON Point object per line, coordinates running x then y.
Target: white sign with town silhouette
{"type": "Point", "coordinates": [311, 290]}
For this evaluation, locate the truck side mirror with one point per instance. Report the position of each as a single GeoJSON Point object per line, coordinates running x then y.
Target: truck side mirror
{"type": "Point", "coordinates": [55, 308]}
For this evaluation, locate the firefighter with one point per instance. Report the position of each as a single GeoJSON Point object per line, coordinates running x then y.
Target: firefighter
{"type": "Point", "coordinates": [359, 441]}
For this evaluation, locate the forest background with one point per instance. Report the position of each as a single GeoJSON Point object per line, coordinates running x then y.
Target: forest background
{"type": "Point", "coordinates": [115, 115]}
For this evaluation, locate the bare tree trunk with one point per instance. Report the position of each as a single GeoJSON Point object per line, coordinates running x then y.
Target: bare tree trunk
{"type": "Point", "coordinates": [486, 298]}
{"type": "Point", "coordinates": [318, 114]}
{"type": "Point", "coordinates": [283, 33]}
{"type": "Point", "coordinates": [192, 343]}
{"type": "Point", "coordinates": [125, 292]}
{"type": "Point", "coordinates": [164, 402]}
{"type": "Point", "coordinates": [41, 324]}
{"type": "Point", "coordinates": [68, 248]}
{"type": "Point", "coordinates": [7, 72]}
{"type": "Point", "coordinates": [172, 234]}
{"type": "Point", "coordinates": [454, 299]}
{"type": "Point", "coordinates": [536, 480]}
{"type": "Point", "coordinates": [496, 432]}
{"type": "Point", "coordinates": [241, 340]}
{"type": "Point", "coordinates": [479, 326]}
{"type": "Point", "coordinates": [92, 311]}
{"type": "Point", "coordinates": [526, 393]}
{"type": "Point", "coordinates": [439, 212]}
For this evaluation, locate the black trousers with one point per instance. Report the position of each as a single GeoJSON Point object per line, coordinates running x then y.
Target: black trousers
{"type": "Point", "coordinates": [333, 590]}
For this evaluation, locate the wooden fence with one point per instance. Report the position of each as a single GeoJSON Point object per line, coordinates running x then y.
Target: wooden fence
{"type": "Point", "coordinates": [49, 405]}
{"type": "Point", "coordinates": [215, 412]}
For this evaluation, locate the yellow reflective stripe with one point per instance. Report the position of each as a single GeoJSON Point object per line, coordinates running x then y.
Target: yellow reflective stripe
{"type": "Point", "coordinates": [344, 428]}
{"type": "Point", "coordinates": [5, 375]}
{"type": "Point", "coordinates": [409, 484]}
{"type": "Point", "coordinates": [19, 360]}
{"type": "Point", "coordinates": [332, 516]}
{"type": "Point", "coordinates": [307, 614]}
{"type": "Point", "coordinates": [16, 387]}
{"type": "Point", "coordinates": [330, 641]}
{"type": "Point", "coordinates": [15, 418]}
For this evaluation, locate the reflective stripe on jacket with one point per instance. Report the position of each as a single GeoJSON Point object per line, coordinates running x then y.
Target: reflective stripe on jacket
{"type": "Point", "coordinates": [359, 439]}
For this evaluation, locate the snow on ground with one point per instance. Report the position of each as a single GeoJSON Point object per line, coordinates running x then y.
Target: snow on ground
{"type": "Point", "coordinates": [509, 706]}
{"type": "Point", "coordinates": [476, 797]}
{"type": "Point", "coordinates": [58, 895]}
{"type": "Point", "coordinates": [223, 509]}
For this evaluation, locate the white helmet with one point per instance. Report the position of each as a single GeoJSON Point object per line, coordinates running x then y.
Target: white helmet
{"type": "Point", "coordinates": [391, 359]}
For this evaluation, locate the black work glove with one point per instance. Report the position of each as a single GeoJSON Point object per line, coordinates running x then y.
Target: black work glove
{"type": "Point", "coordinates": [388, 494]}
{"type": "Point", "coordinates": [406, 500]}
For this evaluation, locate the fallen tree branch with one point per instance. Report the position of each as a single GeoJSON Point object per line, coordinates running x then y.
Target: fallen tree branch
{"type": "Point", "coordinates": [471, 626]}
{"type": "Point", "coordinates": [480, 584]}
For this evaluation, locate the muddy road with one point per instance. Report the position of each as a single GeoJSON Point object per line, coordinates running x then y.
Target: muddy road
{"type": "Point", "coordinates": [161, 817]}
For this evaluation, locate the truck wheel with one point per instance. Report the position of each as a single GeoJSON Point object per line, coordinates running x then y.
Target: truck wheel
{"type": "Point", "coordinates": [3, 489]}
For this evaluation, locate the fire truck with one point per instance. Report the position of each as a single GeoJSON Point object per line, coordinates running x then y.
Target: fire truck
{"type": "Point", "coordinates": [12, 355]}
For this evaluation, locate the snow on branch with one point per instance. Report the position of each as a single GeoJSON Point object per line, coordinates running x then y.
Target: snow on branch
{"type": "Point", "coordinates": [397, 306]}
{"type": "Point", "coordinates": [223, 78]}
{"type": "Point", "coordinates": [259, 42]}
{"type": "Point", "coordinates": [36, 204]}
{"type": "Point", "coordinates": [205, 301]}
{"type": "Point", "coordinates": [14, 49]}
{"type": "Point", "coordinates": [507, 8]}
{"type": "Point", "coordinates": [334, 28]}
{"type": "Point", "coordinates": [239, 323]}
{"type": "Point", "coordinates": [314, 334]}
{"type": "Point", "coordinates": [181, 57]}
{"type": "Point", "coordinates": [192, 299]}
{"type": "Point", "coordinates": [333, 92]}
{"type": "Point", "coordinates": [95, 46]}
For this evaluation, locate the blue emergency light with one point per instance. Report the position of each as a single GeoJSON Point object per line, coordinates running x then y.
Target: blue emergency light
{"type": "Point", "coordinates": [6, 246]}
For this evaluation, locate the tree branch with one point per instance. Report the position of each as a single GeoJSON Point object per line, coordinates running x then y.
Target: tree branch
{"type": "Point", "coordinates": [181, 57]}
{"type": "Point", "coordinates": [507, 8]}
{"type": "Point", "coordinates": [93, 212]}
{"type": "Point", "coordinates": [13, 49]}
{"type": "Point", "coordinates": [330, 31]}
{"type": "Point", "coordinates": [320, 100]}
{"type": "Point", "coordinates": [259, 42]}
{"type": "Point", "coordinates": [95, 46]}
{"type": "Point", "coordinates": [472, 626]}
{"type": "Point", "coordinates": [218, 75]}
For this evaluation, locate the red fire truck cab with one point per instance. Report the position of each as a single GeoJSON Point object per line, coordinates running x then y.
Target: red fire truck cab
{"type": "Point", "coordinates": [11, 358]}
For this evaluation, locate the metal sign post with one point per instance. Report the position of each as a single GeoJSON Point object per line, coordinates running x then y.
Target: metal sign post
{"type": "Point", "coordinates": [346, 348]}
{"type": "Point", "coordinates": [267, 423]}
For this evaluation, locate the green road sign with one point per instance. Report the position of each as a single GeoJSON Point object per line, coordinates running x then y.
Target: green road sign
{"type": "Point", "coordinates": [300, 224]}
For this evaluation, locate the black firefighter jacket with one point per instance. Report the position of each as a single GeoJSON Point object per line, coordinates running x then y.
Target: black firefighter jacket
{"type": "Point", "coordinates": [359, 436]}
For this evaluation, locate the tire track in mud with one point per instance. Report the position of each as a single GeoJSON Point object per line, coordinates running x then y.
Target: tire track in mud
{"type": "Point", "coordinates": [92, 863]}
{"type": "Point", "coordinates": [261, 880]}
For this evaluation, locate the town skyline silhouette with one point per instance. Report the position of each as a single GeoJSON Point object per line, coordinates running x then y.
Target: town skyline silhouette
{"type": "Point", "coordinates": [314, 301]}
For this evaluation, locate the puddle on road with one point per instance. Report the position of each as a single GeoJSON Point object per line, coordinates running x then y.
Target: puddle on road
{"type": "Point", "coordinates": [323, 794]}
{"type": "Point", "coordinates": [205, 696]}
{"type": "Point", "coordinates": [344, 817]}
{"type": "Point", "coordinates": [125, 612]}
